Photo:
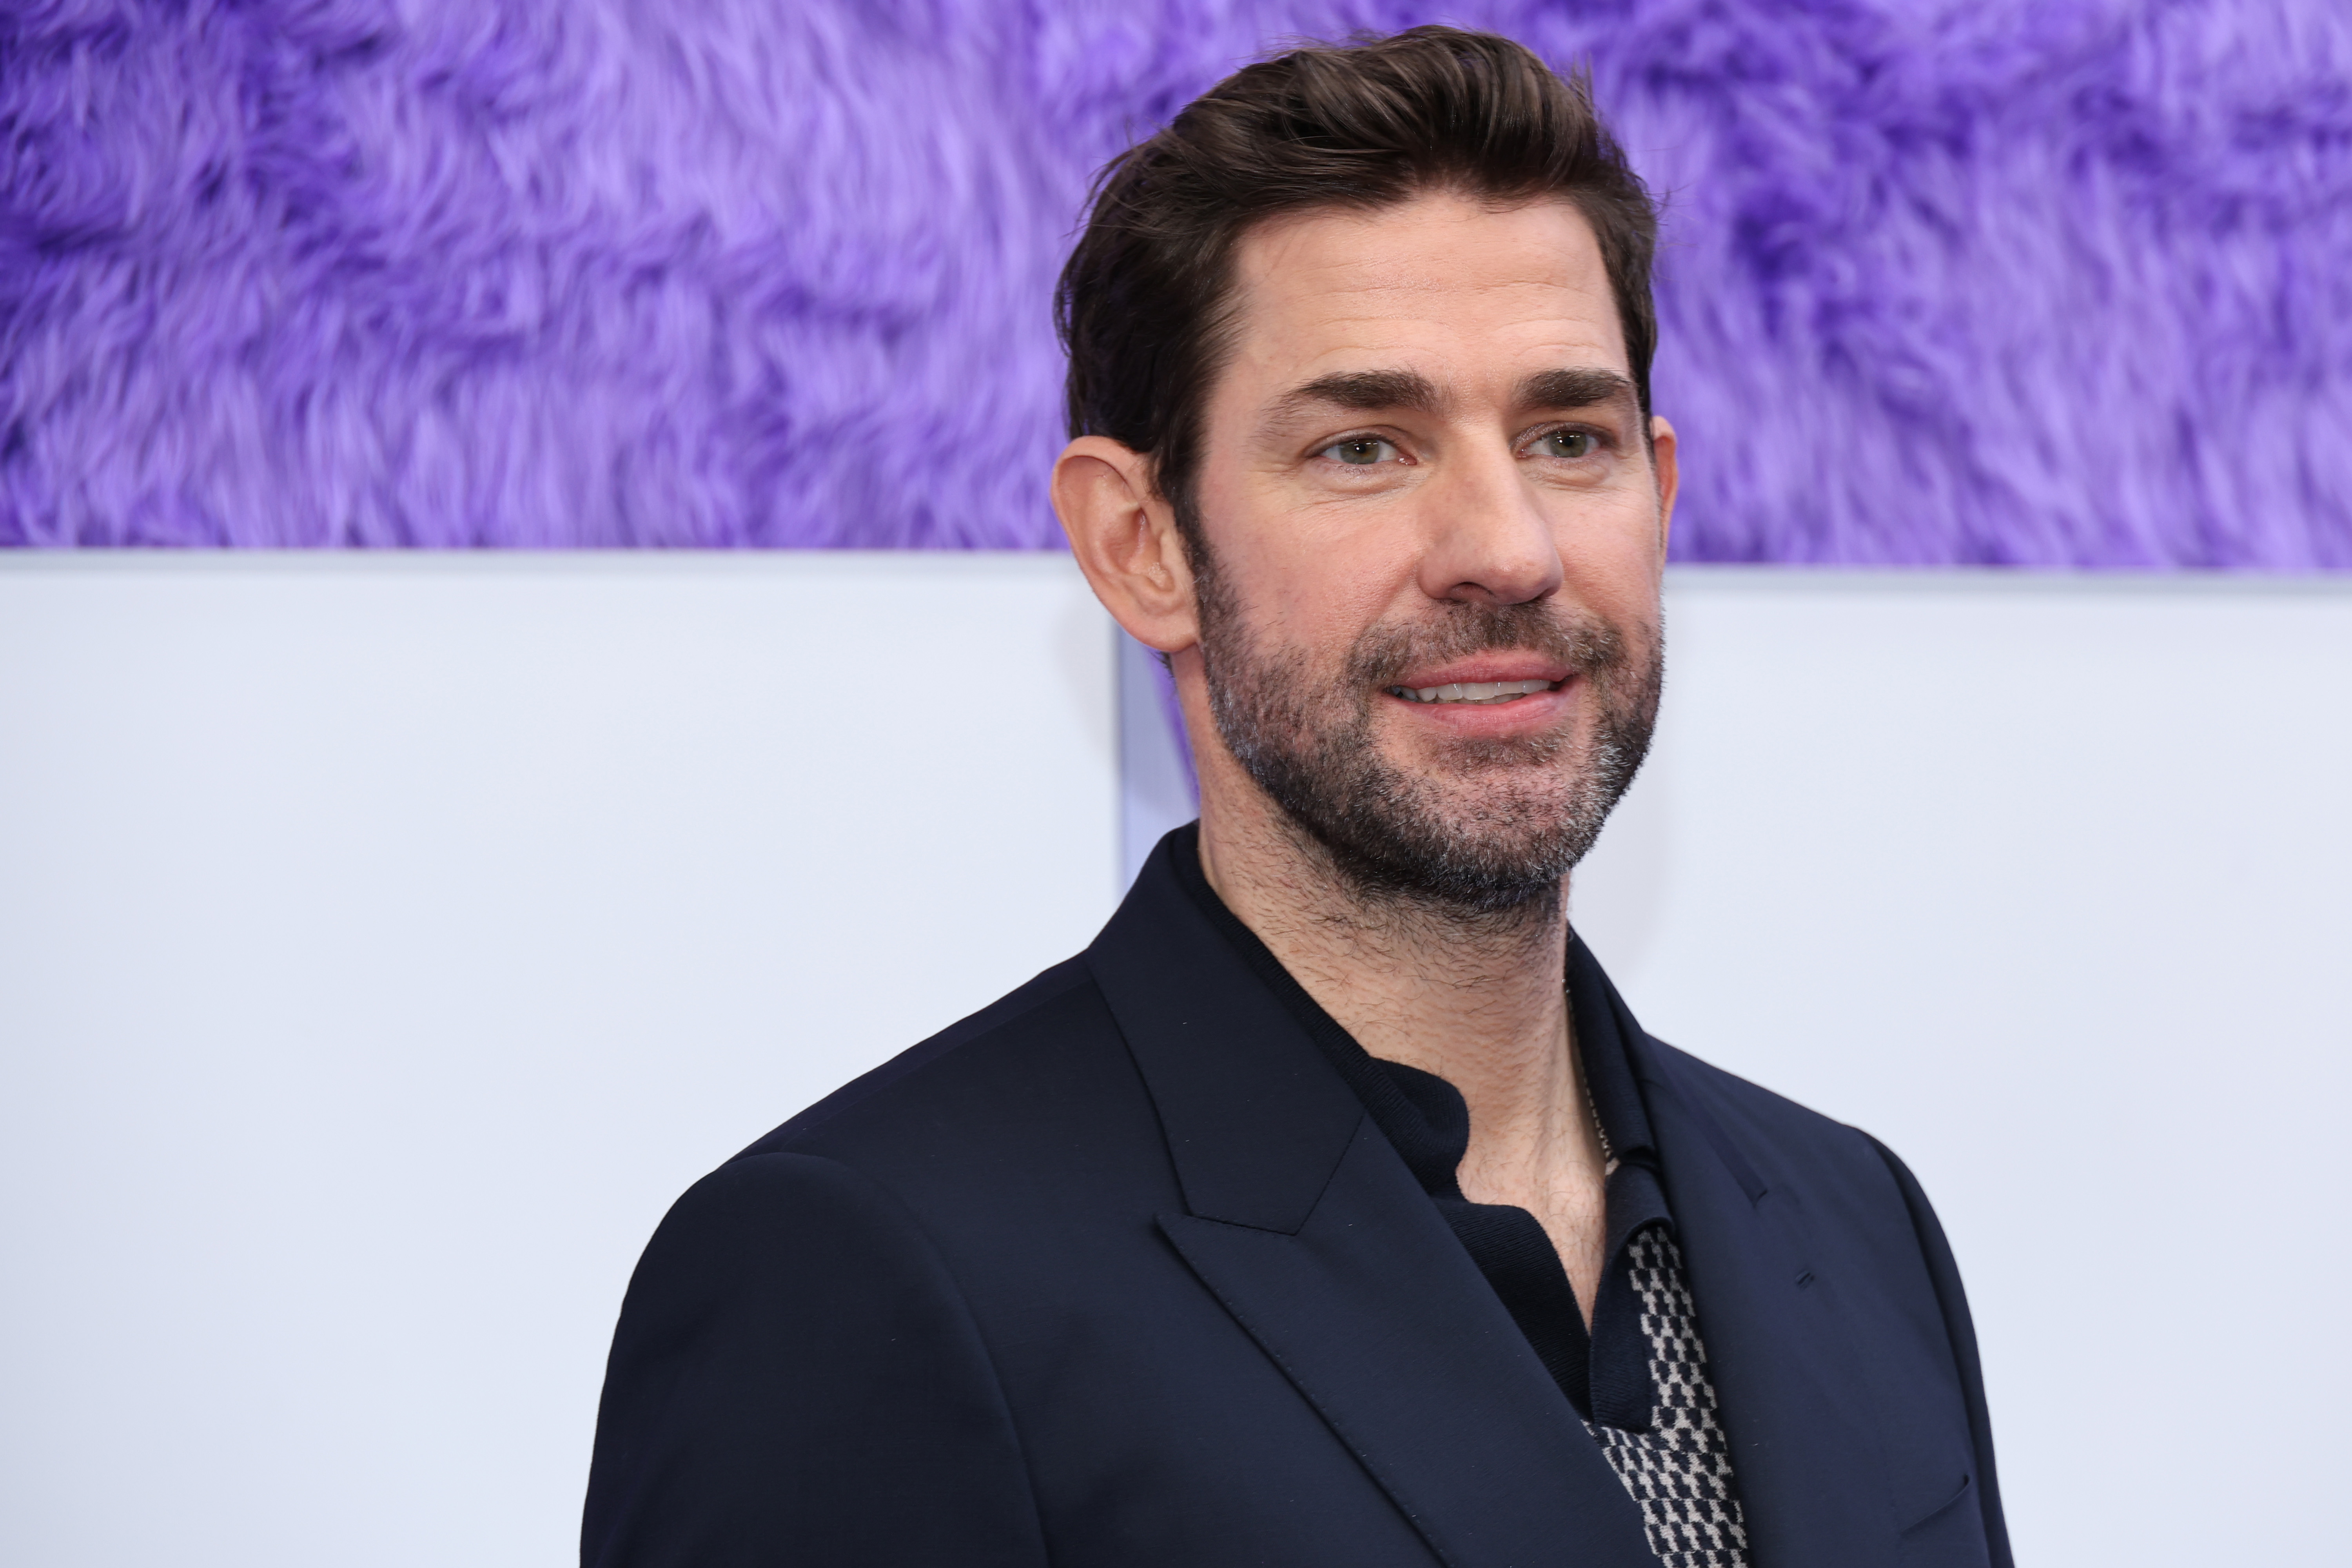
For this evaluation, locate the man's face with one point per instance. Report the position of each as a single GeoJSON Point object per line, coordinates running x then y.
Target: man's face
{"type": "Point", "coordinates": [1433, 536]}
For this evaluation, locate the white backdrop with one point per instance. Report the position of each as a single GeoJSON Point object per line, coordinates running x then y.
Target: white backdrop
{"type": "Point", "coordinates": [386, 941]}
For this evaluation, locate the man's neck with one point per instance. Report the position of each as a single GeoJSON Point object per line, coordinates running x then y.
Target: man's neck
{"type": "Point", "coordinates": [1479, 1000]}
{"type": "Point", "coordinates": [1476, 998]}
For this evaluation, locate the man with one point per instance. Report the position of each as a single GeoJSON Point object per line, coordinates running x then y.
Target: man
{"type": "Point", "coordinates": [1331, 1209]}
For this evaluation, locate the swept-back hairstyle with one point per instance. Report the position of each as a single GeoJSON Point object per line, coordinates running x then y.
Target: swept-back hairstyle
{"type": "Point", "coordinates": [1141, 302]}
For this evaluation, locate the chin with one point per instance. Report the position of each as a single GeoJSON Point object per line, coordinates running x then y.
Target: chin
{"type": "Point", "coordinates": [1479, 851]}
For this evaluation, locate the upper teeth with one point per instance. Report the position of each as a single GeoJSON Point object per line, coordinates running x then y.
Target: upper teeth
{"type": "Point", "coordinates": [1472, 691]}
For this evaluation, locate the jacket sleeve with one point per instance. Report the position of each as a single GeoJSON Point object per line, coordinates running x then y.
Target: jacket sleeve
{"type": "Point", "coordinates": [1944, 1272]}
{"type": "Point", "coordinates": [795, 1379]}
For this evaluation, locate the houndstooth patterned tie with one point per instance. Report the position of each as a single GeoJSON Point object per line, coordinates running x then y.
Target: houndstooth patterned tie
{"type": "Point", "coordinates": [1680, 1469]}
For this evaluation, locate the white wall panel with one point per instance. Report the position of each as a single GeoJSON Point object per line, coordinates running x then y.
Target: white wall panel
{"type": "Point", "coordinates": [385, 941]}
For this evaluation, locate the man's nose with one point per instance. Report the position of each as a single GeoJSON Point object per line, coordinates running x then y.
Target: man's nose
{"type": "Point", "coordinates": [1488, 541]}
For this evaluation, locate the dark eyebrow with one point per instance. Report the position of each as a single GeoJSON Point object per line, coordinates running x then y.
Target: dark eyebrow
{"type": "Point", "coordinates": [1363, 391]}
{"type": "Point", "coordinates": [1585, 387]}
{"type": "Point", "coordinates": [1370, 391]}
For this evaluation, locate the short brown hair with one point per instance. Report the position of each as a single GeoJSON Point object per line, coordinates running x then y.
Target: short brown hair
{"type": "Point", "coordinates": [1363, 125]}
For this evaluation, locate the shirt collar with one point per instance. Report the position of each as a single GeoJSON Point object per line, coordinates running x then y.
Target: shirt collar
{"type": "Point", "coordinates": [1422, 1114]}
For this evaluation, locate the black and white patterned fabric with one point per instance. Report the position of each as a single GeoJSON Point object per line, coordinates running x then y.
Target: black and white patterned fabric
{"type": "Point", "coordinates": [1680, 1469]}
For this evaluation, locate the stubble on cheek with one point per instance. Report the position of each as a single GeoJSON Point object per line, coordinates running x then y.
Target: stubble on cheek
{"type": "Point", "coordinates": [1479, 824]}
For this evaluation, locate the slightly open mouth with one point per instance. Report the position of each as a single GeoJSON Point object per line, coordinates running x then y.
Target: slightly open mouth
{"type": "Point", "coordinates": [1474, 692]}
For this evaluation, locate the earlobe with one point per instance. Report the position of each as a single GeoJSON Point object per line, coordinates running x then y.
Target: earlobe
{"type": "Point", "coordinates": [1124, 536]}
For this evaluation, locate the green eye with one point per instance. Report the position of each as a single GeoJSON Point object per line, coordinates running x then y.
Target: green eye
{"type": "Point", "coordinates": [1570, 444]}
{"type": "Point", "coordinates": [1359, 450]}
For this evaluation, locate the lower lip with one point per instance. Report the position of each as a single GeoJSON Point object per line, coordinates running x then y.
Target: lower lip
{"type": "Point", "coordinates": [1522, 715]}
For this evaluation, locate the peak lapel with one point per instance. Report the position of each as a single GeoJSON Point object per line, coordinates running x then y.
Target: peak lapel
{"type": "Point", "coordinates": [1381, 1320]}
{"type": "Point", "coordinates": [1256, 1120]}
{"type": "Point", "coordinates": [1307, 1228]}
{"type": "Point", "coordinates": [1803, 1444]}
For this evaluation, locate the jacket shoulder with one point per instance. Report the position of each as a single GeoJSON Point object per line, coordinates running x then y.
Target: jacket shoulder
{"type": "Point", "coordinates": [1047, 1053]}
{"type": "Point", "coordinates": [1758, 1130]}
{"type": "Point", "coordinates": [1837, 1181]}
{"type": "Point", "coordinates": [785, 1333]}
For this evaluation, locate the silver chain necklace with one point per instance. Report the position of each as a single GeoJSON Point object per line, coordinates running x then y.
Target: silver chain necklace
{"type": "Point", "coordinates": [1608, 1157]}
{"type": "Point", "coordinates": [1593, 1106]}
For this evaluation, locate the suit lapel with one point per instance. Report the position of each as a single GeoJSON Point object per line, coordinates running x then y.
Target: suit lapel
{"type": "Point", "coordinates": [1307, 1228]}
{"type": "Point", "coordinates": [1795, 1409]}
{"type": "Point", "coordinates": [1377, 1315]}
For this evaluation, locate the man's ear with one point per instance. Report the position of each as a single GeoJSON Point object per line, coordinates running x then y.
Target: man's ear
{"type": "Point", "coordinates": [1124, 535]}
{"type": "Point", "coordinates": [1665, 456]}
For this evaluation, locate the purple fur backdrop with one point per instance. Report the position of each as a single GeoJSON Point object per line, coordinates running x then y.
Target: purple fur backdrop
{"type": "Point", "coordinates": [2038, 282]}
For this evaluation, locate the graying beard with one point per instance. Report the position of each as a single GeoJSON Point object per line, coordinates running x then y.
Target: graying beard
{"type": "Point", "coordinates": [1378, 825]}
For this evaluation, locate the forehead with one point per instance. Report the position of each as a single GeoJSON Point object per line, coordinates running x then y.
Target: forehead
{"type": "Point", "coordinates": [1473, 297]}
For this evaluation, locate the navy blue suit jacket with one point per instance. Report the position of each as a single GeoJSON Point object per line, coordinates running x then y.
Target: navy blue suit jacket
{"type": "Point", "coordinates": [1117, 1272]}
